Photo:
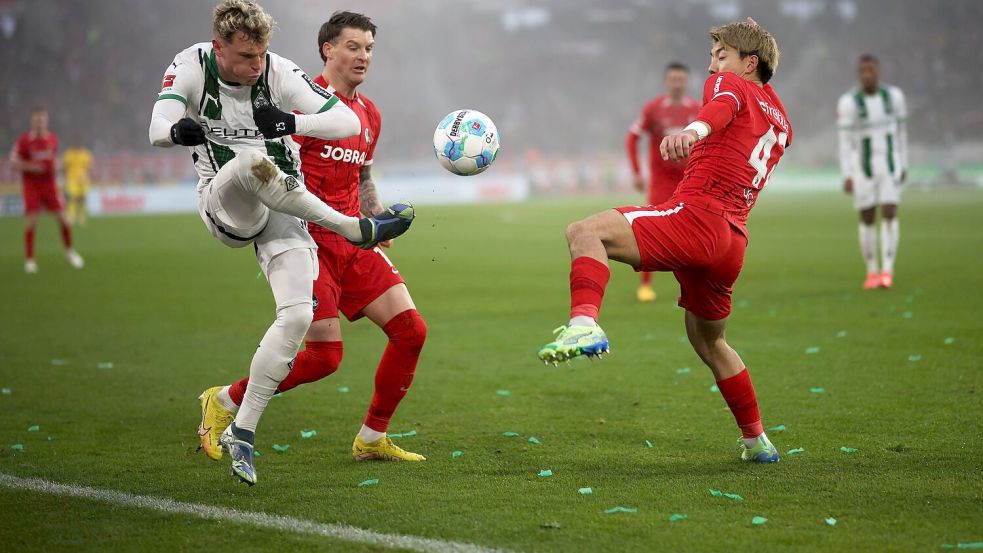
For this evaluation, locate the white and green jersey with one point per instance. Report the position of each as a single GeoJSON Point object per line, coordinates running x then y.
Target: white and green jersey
{"type": "Point", "coordinates": [225, 109]}
{"type": "Point", "coordinates": [873, 138]}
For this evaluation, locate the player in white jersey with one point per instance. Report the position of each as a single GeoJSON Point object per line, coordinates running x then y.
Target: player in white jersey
{"type": "Point", "coordinates": [874, 160]}
{"type": "Point", "coordinates": [231, 101]}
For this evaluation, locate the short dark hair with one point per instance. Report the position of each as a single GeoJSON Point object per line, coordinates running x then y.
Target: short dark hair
{"type": "Point", "coordinates": [676, 66]}
{"type": "Point", "coordinates": [338, 22]}
{"type": "Point", "coordinates": [868, 58]}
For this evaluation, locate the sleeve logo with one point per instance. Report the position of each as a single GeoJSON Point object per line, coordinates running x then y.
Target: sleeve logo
{"type": "Point", "coordinates": [168, 82]}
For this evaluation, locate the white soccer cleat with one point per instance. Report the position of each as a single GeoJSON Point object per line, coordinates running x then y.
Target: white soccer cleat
{"type": "Point", "coordinates": [30, 266]}
{"type": "Point", "coordinates": [74, 259]}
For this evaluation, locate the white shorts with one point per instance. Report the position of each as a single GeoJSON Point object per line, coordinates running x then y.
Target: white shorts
{"type": "Point", "coordinates": [875, 191]}
{"type": "Point", "coordinates": [271, 232]}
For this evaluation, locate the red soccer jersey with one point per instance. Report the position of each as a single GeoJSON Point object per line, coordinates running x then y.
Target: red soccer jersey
{"type": "Point", "coordinates": [41, 148]}
{"type": "Point", "coordinates": [660, 117]}
{"type": "Point", "coordinates": [749, 134]}
{"type": "Point", "coordinates": [331, 167]}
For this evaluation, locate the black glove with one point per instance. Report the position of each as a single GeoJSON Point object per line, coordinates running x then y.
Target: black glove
{"type": "Point", "coordinates": [274, 123]}
{"type": "Point", "coordinates": [187, 132]}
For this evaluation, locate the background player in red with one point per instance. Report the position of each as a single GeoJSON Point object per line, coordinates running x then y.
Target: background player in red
{"type": "Point", "coordinates": [350, 280]}
{"type": "Point", "coordinates": [660, 117]}
{"type": "Point", "coordinates": [700, 234]}
{"type": "Point", "coordinates": [35, 154]}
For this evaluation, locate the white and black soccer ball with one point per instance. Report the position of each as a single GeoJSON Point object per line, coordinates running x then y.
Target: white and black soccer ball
{"type": "Point", "coordinates": [466, 142]}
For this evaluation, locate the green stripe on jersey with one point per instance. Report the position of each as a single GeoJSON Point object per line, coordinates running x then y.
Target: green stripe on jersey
{"type": "Point", "coordinates": [177, 97]}
{"type": "Point", "coordinates": [858, 97]}
{"type": "Point", "coordinates": [223, 154]}
{"type": "Point", "coordinates": [865, 160]}
{"type": "Point", "coordinates": [886, 98]}
{"type": "Point", "coordinates": [281, 157]}
{"type": "Point", "coordinates": [890, 153]}
{"type": "Point", "coordinates": [328, 105]}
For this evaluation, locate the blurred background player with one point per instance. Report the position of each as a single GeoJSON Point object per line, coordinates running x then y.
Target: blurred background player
{"type": "Point", "coordinates": [353, 281]}
{"type": "Point", "coordinates": [34, 155]}
{"type": "Point", "coordinates": [737, 139]}
{"type": "Point", "coordinates": [660, 117]}
{"type": "Point", "coordinates": [77, 160]}
{"type": "Point", "coordinates": [874, 161]}
{"type": "Point", "coordinates": [222, 99]}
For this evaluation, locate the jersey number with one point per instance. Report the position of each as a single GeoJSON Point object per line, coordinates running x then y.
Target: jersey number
{"type": "Point", "coordinates": [762, 153]}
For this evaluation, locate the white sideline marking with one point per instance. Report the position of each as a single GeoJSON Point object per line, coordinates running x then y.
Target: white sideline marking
{"type": "Point", "coordinates": [263, 520]}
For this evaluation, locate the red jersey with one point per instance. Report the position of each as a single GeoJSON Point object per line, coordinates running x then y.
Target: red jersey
{"type": "Point", "coordinates": [41, 148]}
{"type": "Point", "coordinates": [659, 118]}
{"type": "Point", "coordinates": [331, 167]}
{"type": "Point", "coordinates": [749, 134]}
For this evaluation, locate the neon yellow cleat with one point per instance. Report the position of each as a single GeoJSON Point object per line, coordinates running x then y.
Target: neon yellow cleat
{"type": "Point", "coordinates": [382, 449]}
{"type": "Point", "coordinates": [214, 419]}
{"type": "Point", "coordinates": [572, 341]}
{"type": "Point", "coordinates": [645, 293]}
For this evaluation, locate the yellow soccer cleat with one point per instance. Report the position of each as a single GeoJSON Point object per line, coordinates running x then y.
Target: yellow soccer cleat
{"type": "Point", "coordinates": [645, 293]}
{"type": "Point", "coordinates": [215, 418]}
{"type": "Point", "coordinates": [382, 449]}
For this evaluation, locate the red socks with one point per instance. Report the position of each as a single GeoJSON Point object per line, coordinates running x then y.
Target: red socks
{"type": "Point", "coordinates": [29, 242]}
{"type": "Point", "coordinates": [407, 332]}
{"type": "Point", "coordinates": [66, 236]}
{"type": "Point", "coordinates": [317, 361]}
{"type": "Point", "coordinates": [646, 277]}
{"type": "Point", "coordinates": [588, 278]}
{"type": "Point", "coordinates": [738, 392]}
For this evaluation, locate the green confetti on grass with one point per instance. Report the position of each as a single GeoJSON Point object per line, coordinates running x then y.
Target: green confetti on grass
{"type": "Point", "coordinates": [620, 509]}
{"type": "Point", "coordinates": [777, 428]}
{"type": "Point", "coordinates": [369, 482]}
{"type": "Point", "coordinates": [677, 517]}
{"type": "Point", "coordinates": [308, 433]}
{"type": "Point", "coordinates": [510, 434]}
{"type": "Point", "coordinates": [743, 303]}
{"type": "Point", "coordinates": [534, 440]}
{"type": "Point", "coordinates": [714, 389]}
{"type": "Point", "coordinates": [256, 453]}
{"type": "Point", "coordinates": [845, 449]}
{"type": "Point", "coordinates": [649, 444]}
{"type": "Point", "coordinates": [104, 365]}
{"type": "Point", "coordinates": [684, 370]}
{"type": "Point", "coordinates": [58, 362]}
{"type": "Point", "coordinates": [718, 493]}
{"type": "Point", "coordinates": [969, 545]}
{"type": "Point", "coordinates": [545, 473]}
{"type": "Point", "coordinates": [585, 491]}
{"type": "Point", "coordinates": [758, 521]}
{"type": "Point", "coordinates": [6, 391]}
{"type": "Point", "coordinates": [914, 358]}
{"type": "Point", "coordinates": [818, 390]}
{"type": "Point", "coordinates": [949, 341]}
{"type": "Point", "coordinates": [456, 454]}
{"type": "Point", "coordinates": [841, 334]}
{"type": "Point", "coordinates": [17, 447]}
{"type": "Point", "coordinates": [812, 350]}
{"type": "Point", "coordinates": [259, 274]}
{"type": "Point", "coordinates": [552, 525]}
{"type": "Point", "coordinates": [907, 314]}
{"type": "Point", "coordinates": [281, 448]}
{"type": "Point", "coordinates": [343, 389]}
{"type": "Point", "coordinates": [796, 451]}
{"type": "Point", "coordinates": [831, 521]}
{"type": "Point", "coordinates": [503, 392]}
{"type": "Point", "coordinates": [33, 428]}
{"type": "Point", "coordinates": [409, 434]}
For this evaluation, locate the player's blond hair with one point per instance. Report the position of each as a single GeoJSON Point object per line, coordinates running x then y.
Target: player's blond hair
{"type": "Point", "coordinates": [750, 39]}
{"type": "Point", "coordinates": [233, 16]}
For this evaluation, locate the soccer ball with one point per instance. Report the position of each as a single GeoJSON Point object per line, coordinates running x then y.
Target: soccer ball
{"type": "Point", "coordinates": [466, 142]}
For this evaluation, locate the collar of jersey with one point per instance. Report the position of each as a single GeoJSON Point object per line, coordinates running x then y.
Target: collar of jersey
{"type": "Point", "coordinates": [213, 69]}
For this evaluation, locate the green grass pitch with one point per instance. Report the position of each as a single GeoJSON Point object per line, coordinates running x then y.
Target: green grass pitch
{"type": "Point", "coordinates": [174, 312]}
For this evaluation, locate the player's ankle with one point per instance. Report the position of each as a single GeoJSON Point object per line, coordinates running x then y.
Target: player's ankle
{"type": "Point", "coordinates": [226, 400]}
{"type": "Point", "coordinates": [582, 320]}
{"type": "Point", "coordinates": [368, 435]}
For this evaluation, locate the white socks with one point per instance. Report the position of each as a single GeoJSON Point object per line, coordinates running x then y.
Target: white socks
{"type": "Point", "coordinates": [751, 442]}
{"type": "Point", "coordinates": [368, 435]}
{"type": "Point", "coordinates": [226, 400]}
{"type": "Point", "coordinates": [868, 246]}
{"type": "Point", "coordinates": [582, 320]}
{"type": "Point", "coordinates": [889, 243]}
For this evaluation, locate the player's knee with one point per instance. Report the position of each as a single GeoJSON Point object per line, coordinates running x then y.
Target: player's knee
{"type": "Point", "coordinates": [408, 329]}
{"type": "Point", "coordinates": [576, 230]}
{"type": "Point", "coordinates": [295, 320]}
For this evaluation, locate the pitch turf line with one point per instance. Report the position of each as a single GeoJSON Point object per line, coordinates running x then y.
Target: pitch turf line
{"type": "Point", "coordinates": [259, 519]}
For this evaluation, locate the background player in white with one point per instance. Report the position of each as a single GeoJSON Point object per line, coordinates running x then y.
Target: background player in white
{"type": "Point", "coordinates": [874, 160]}
{"type": "Point", "coordinates": [230, 100]}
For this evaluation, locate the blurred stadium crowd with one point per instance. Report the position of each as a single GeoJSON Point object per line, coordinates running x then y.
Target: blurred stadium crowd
{"type": "Point", "coordinates": [563, 79]}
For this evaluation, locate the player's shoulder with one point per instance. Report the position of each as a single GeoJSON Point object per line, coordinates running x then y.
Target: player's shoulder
{"type": "Point", "coordinates": [369, 105]}
{"type": "Point", "coordinates": [725, 78]}
{"type": "Point", "coordinates": [894, 91]}
{"type": "Point", "coordinates": [193, 55]}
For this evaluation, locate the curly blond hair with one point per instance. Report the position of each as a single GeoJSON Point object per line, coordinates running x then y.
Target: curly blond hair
{"type": "Point", "coordinates": [232, 16]}
{"type": "Point", "coordinates": [750, 39]}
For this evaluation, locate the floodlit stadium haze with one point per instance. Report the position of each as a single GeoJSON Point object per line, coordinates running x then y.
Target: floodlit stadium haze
{"type": "Point", "coordinates": [868, 389]}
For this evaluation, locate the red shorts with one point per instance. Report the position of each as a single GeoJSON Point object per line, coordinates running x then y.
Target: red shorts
{"type": "Point", "coordinates": [36, 195]}
{"type": "Point", "coordinates": [701, 249]}
{"type": "Point", "coordinates": [349, 278]}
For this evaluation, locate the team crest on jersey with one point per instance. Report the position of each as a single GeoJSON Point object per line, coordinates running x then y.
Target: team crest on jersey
{"type": "Point", "coordinates": [368, 136]}
{"type": "Point", "coordinates": [291, 183]}
{"type": "Point", "coordinates": [748, 197]}
{"type": "Point", "coordinates": [314, 301]}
